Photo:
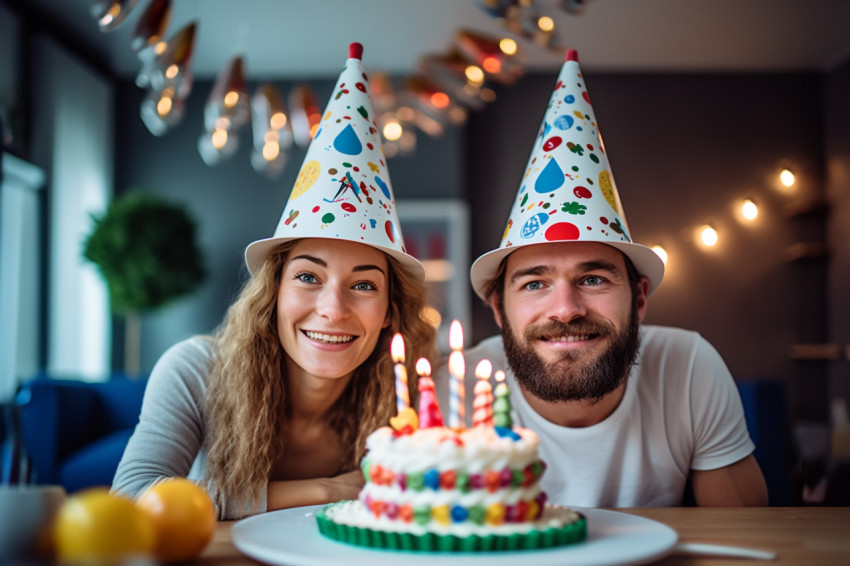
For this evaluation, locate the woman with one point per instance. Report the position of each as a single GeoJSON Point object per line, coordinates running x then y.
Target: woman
{"type": "Point", "coordinates": [273, 410]}
{"type": "Point", "coordinates": [278, 402]}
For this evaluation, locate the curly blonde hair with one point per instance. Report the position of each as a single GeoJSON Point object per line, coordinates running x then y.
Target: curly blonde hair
{"type": "Point", "coordinates": [246, 396]}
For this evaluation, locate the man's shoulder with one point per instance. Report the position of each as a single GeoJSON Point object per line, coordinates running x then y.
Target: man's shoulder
{"type": "Point", "coordinates": [661, 337]}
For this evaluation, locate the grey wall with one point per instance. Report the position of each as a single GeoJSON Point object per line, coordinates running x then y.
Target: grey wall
{"type": "Point", "coordinates": [234, 205]}
{"type": "Point", "coordinates": [837, 134]}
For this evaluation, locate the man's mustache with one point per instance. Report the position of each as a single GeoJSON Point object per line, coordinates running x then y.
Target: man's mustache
{"type": "Point", "coordinates": [555, 328]}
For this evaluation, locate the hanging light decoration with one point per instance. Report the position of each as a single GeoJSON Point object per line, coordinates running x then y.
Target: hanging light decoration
{"type": "Point", "coordinates": [272, 131]}
{"type": "Point", "coordinates": [433, 108]}
{"type": "Point", "coordinates": [170, 82]}
{"type": "Point", "coordinates": [305, 113]}
{"type": "Point", "coordinates": [226, 111]}
{"type": "Point", "coordinates": [110, 14]}
{"type": "Point", "coordinates": [148, 38]}
{"type": "Point", "coordinates": [497, 58]}
{"type": "Point", "coordinates": [462, 80]}
{"type": "Point", "coordinates": [398, 134]}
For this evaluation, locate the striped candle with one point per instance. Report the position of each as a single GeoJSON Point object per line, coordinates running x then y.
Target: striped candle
{"type": "Point", "coordinates": [402, 393]}
{"type": "Point", "coordinates": [457, 370]}
{"type": "Point", "coordinates": [482, 403]}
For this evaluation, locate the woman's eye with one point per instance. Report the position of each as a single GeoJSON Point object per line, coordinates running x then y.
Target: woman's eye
{"type": "Point", "coordinates": [306, 278]}
{"type": "Point", "coordinates": [364, 286]}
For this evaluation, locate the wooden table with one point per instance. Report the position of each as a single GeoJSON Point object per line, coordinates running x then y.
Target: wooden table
{"type": "Point", "coordinates": [817, 536]}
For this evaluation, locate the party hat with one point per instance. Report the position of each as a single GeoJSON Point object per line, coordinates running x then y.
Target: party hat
{"type": "Point", "coordinates": [343, 190]}
{"type": "Point", "coordinates": [567, 192]}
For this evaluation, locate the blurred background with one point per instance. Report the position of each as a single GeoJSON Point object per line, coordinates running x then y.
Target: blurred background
{"type": "Point", "coordinates": [730, 116]}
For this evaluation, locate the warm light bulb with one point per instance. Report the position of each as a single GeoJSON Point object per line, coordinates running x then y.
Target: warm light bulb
{"type": "Point", "coordinates": [787, 178]}
{"type": "Point", "coordinates": [392, 130]}
{"type": "Point", "coordinates": [171, 71]}
{"type": "Point", "coordinates": [508, 46]}
{"type": "Point", "coordinates": [231, 98]}
{"type": "Point", "coordinates": [749, 210]}
{"type": "Point", "coordinates": [164, 105]}
{"type": "Point", "coordinates": [271, 149]}
{"type": "Point", "coordinates": [660, 252]}
{"type": "Point", "coordinates": [440, 99]}
{"type": "Point", "coordinates": [474, 74]}
{"type": "Point", "coordinates": [708, 235]}
{"type": "Point", "coordinates": [492, 64]}
{"type": "Point", "coordinates": [278, 120]}
{"type": "Point", "coordinates": [219, 139]}
{"type": "Point", "coordinates": [546, 23]}
{"type": "Point", "coordinates": [160, 47]}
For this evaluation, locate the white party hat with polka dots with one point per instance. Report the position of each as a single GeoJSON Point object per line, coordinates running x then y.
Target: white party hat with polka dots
{"type": "Point", "coordinates": [343, 189]}
{"type": "Point", "coordinates": [567, 192]}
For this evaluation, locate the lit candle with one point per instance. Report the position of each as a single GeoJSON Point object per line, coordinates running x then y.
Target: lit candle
{"type": "Point", "coordinates": [482, 403]}
{"type": "Point", "coordinates": [502, 404]}
{"type": "Point", "coordinates": [429, 407]}
{"type": "Point", "coordinates": [457, 370]}
{"type": "Point", "coordinates": [402, 394]}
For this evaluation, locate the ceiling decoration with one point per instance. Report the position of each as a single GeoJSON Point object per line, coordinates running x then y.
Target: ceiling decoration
{"type": "Point", "coordinates": [439, 94]}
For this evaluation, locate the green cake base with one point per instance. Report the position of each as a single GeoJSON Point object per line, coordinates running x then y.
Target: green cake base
{"type": "Point", "coordinates": [544, 537]}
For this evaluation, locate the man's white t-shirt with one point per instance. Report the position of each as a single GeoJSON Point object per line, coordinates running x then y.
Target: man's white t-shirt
{"type": "Point", "coordinates": [681, 411]}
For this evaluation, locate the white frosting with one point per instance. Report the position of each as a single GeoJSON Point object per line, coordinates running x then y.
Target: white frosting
{"type": "Point", "coordinates": [482, 449]}
{"type": "Point", "coordinates": [355, 514]}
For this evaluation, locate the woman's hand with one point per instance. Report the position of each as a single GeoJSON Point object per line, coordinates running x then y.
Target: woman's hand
{"type": "Point", "coordinates": [319, 491]}
{"type": "Point", "coordinates": [345, 486]}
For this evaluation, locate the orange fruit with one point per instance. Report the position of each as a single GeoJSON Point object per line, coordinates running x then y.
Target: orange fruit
{"type": "Point", "coordinates": [183, 518]}
{"type": "Point", "coordinates": [96, 527]}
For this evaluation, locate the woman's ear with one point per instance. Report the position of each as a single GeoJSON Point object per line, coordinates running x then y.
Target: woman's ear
{"type": "Point", "coordinates": [389, 318]}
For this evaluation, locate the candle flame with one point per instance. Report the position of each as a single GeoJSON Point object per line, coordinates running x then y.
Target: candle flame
{"type": "Point", "coordinates": [457, 366]}
{"type": "Point", "coordinates": [456, 335]}
{"type": "Point", "coordinates": [500, 376]}
{"type": "Point", "coordinates": [397, 348]}
{"type": "Point", "coordinates": [483, 369]}
{"type": "Point", "coordinates": [423, 368]}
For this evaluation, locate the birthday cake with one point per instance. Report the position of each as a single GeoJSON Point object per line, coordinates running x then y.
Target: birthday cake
{"type": "Point", "coordinates": [435, 488]}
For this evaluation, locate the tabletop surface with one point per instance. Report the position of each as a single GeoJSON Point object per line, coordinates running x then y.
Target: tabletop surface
{"type": "Point", "coordinates": [798, 535]}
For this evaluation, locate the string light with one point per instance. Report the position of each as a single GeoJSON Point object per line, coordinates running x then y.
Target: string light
{"type": "Point", "coordinates": [708, 236]}
{"type": "Point", "coordinates": [786, 177]}
{"type": "Point", "coordinates": [660, 252]}
{"type": "Point", "coordinates": [749, 210]}
{"type": "Point", "coordinates": [508, 46]}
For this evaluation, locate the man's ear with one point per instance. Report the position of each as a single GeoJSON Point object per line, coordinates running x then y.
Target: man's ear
{"type": "Point", "coordinates": [494, 306]}
{"type": "Point", "coordinates": [643, 290]}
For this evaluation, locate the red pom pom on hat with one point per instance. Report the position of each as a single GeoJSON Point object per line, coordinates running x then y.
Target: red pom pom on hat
{"type": "Point", "coordinates": [572, 55]}
{"type": "Point", "coordinates": [355, 51]}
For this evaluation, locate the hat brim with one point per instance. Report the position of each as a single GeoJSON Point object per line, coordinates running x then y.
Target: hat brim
{"type": "Point", "coordinates": [644, 259]}
{"type": "Point", "coordinates": [256, 252]}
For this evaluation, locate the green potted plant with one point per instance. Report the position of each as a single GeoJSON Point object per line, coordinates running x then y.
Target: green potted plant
{"type": "Point", "coordinates": [146, 251]}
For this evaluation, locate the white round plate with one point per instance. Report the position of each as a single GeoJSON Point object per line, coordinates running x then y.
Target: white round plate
{"type": "Point", "coordinates": [290, 537]}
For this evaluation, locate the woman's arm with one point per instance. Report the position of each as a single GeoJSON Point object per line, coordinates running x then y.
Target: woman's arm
{"type": "Point", "coordinates": [297, 493]}
{"type": "Point", "coordinates": [170, 430]}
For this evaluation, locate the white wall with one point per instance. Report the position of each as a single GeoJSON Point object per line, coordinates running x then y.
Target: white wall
{"type": "Point", "coordinates": [73, 139]}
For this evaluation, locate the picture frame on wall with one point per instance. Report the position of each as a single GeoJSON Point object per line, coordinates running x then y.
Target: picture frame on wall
{"type": "Point", "coordinates": [436, 232]}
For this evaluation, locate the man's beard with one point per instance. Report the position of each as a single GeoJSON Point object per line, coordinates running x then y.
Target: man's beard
{"type": "Point", "coordinates": [568, 379]}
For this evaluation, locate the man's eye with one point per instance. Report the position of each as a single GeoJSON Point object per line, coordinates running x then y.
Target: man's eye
{"type": "Point", "coordinates": [593, 280]}
{"type": "Point", "coordinates": [533, 285]}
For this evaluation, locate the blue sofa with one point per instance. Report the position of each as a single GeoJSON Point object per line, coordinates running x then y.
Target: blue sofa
{"type": "Point", "coordinates": [75, 431]}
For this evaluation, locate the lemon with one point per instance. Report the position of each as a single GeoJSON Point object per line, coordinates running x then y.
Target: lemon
{"type": "Point", "coordinates": [183, 517]}
{"type": "Point", "coordinates": [96, 527]}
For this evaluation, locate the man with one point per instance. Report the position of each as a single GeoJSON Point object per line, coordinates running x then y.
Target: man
{"type": "Point", "coordinates": [626, 415]}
